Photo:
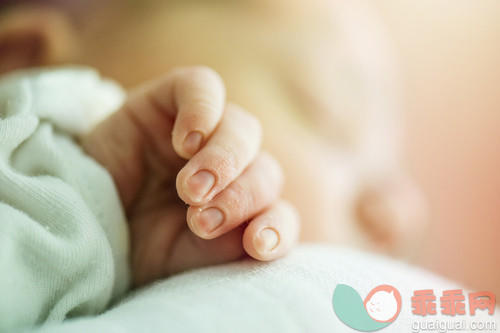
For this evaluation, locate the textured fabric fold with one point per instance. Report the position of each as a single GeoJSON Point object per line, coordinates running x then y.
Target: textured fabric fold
{"type": "Point", "coordinates": [63, 234]}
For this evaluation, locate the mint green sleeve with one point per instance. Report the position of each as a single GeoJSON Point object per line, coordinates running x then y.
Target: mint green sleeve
{"type": "Point", "coordinates": [63, 234]}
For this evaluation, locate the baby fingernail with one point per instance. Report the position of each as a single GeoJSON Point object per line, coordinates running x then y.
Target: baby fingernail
{"type": "Point", "coordinates": [199, 185]}
{"type": "Point", "coordinates": [192, 143]}
{"type": "Point", "coordinates": [266, 240]}
{"type": "Point", "coordinates": [209, 220]}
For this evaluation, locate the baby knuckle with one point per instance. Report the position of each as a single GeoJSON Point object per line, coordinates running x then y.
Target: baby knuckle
{"type": "Point", "coordinates": [246, 121]}
{"type": "Point", "coordinates": [273, 167]}
{"type": "Point", "coordinates": [199, 107]}
{"type": "Point", "coordinates": [204, 73]}
{"type": "Point", "coordinates": [238, 202]}
{"type": "Point", "coordinates": [226, 162]}
{"type": "Point", "coordinates": [254, 124]}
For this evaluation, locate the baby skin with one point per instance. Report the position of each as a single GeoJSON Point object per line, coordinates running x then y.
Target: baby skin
{"type": "Point", "coordinates": [179, 153]}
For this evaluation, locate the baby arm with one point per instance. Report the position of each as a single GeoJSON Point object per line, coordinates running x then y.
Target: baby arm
{"type": "Point", "coordinates": [176, 142]}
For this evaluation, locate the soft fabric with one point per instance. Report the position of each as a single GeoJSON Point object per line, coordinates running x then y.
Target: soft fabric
{"type": "Point", "coordinates": [63, 236]}
{"type": "Point", "coordinates": [293, 294]}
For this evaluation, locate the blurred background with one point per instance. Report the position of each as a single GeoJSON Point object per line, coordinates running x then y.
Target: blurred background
{"type": "Point", "coordinates": [450, 56]}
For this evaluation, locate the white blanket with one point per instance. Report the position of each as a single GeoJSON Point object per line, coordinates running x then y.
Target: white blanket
{"type": "Point", "coordinates": [293, 294]}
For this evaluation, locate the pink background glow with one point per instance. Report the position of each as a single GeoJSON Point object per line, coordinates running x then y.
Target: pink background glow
{"type": "Point", "coordinates": [450, 53]}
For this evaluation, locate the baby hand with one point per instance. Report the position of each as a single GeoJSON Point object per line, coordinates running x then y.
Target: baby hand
{"type": "Point", "coordinates": [231, 188]}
